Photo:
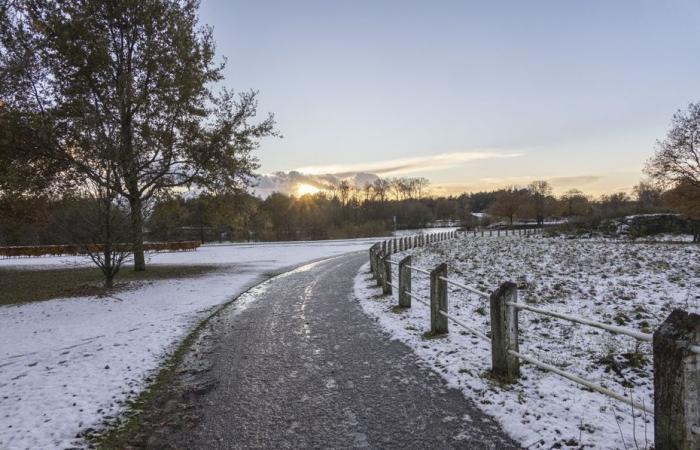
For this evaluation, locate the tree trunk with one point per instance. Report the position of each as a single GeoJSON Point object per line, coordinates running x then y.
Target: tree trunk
{"type": "Point", "coordinates": [137, 234]}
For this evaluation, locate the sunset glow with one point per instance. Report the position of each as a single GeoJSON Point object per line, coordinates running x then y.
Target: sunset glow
{"type": "Point", "coordinates": [304, 189]}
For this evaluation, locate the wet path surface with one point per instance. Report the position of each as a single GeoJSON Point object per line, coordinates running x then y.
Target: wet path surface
{"type": "Point", "coordinates": [297, 364]}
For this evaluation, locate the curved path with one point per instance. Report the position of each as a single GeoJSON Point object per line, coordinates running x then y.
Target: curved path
{"type": "Point", "coordinates": [300, 365]}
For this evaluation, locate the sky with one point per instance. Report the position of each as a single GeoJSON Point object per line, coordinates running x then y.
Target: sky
{"type": "Point", "coordinates": [471, 94]}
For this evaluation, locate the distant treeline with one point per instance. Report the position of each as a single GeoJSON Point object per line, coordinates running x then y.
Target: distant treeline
{"type": "Point", "coordinates": [340, 213]}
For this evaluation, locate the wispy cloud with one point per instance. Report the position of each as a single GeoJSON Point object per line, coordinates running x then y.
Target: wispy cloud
{"type": "Point", "coordinates": [410, 165]}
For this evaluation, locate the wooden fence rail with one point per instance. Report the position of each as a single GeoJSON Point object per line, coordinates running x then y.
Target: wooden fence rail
{"type": "Point", "coordinates": [675, 343]}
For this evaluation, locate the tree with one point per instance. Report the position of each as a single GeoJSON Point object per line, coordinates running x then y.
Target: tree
{"type": "Point", "coordinates": [575, 203]}
{"type": "Point", "coordinates": [130, 83]}
{"type": "Point", "coordinates": [685, 198]}
{"type": "Point", "coordinates": [648, 196]}
{"type": "Point", "coordinates": [540, 191]}
{"type": "Point", "coordinates": [507, 203]}
{"type": "Point", "coordinates": [421, 185]}
{"type": "Point", "coordinates": [615, 205]}
{"type": "Point", "coordinates": [677, 158]}
{"type": "Point", "coordinates": [381, 189]}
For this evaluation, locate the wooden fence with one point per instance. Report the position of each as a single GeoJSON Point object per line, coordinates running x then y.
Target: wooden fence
{"type": "Point", "coordinates": [675, 343]}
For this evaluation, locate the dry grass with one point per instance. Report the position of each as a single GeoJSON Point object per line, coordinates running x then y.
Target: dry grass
{"type": "Point", "coordinates": [30, 285]}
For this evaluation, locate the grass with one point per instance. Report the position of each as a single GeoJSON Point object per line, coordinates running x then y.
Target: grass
{"type": "Point", "coordinates": [32, 285]}
{"type": "Point", "coordinates": [128, 430]}
{"type": "Point", "coordinates": [123, 433]}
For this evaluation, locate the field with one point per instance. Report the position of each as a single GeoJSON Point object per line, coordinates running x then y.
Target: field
{"type": "Point", "coordinates": [635, 285]}
{"type": "Point", "coordinates": [68, 365]}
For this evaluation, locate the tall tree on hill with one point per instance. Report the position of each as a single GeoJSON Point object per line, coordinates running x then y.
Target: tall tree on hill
{"type": "Point", "coordinates": [128, 83]}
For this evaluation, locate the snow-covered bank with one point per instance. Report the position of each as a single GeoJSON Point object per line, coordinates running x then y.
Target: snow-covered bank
{"type": "Point", "coordinates": [67, 364]}
{"type": "Point", "coordinates": [635, 285]}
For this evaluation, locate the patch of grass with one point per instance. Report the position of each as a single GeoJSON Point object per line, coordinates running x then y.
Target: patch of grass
{"type": "Point", "coordinates": [119, 435]}
{"type": "Point", "coordinates": [34, 285]}
{"type": "Point", "coordinates": [398, 309]}
{"type": "Point", "coordinates": [431, 335]}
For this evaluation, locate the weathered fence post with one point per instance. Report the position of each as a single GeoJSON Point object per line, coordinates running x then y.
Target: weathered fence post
{"type": "Point", "coordinates": [405, 282]}
{"type": "Point", "coordinates": [386, 272]}
{"type": "Point", "coordinates": [384, 246]}
{"type": "Point", "coordinates": [372, 250]}
{"type": "Point", "coordinates": [438, 299]}
{"type": "Point", "coordinates": [504, 333]}
{"type": "Point", "coordinates": [378, 267]}
{"type": "Point", "coordinates": [677, 382]}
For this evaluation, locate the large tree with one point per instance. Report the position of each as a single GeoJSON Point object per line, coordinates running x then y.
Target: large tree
{"type": "Point", "coordinates": [676, 164]}
{"type": "Point", "coordinates": [677, 157]}
{"type": "Point", "coordinates": [129, 83]}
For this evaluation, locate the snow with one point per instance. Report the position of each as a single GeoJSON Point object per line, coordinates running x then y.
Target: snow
{"type": "Point", "coordinates": [633, 284]}
{"type": "Point", "coordinates": [413, 232]}
{"type": "Point", "coordinates": [66, 365]}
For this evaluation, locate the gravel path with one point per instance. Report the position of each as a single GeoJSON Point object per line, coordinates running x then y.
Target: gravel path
{"type": "Point", "coordinates": [300, 366]}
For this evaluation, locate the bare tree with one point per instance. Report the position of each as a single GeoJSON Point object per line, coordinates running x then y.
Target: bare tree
{"type": "Point", "coordinates": [421, 185]}
{"type": "Point", "coordinates": [540, 191]}
{"type": "Point", "coordinates": [507, 203]}
{"type": "Point", "coordinates": [381, 189]}
{"type": "Point", "coordinates": [575, 203]}
{"type": "Point", "coordinates": [648, 196]}
{"type": "Point", "coordinates": [344, 191]}
{"type": "Point", "coordinates": [677, 157]}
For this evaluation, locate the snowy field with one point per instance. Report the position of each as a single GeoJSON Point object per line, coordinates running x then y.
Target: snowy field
{"type": "Point", "coordinates": [68, 364]}
{"type": "Point", "coordinates": [629, 284]}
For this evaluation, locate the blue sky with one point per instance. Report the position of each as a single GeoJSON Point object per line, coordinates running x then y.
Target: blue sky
{"type": "Point", "coordinates": [471, 95]}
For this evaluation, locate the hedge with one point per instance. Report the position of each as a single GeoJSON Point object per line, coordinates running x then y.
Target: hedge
{"type": "Point", "coordinates": [74, 249]}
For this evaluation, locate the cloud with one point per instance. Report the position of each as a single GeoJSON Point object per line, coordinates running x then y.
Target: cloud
{"type": "Point", "coordinates": [288, 182]}
{"type": "Point", "coordinates": [409, 165]}
{"type": "Point", "coordinates": [358, 175]}
{"type": "Point", "coordinates": [559, 183]}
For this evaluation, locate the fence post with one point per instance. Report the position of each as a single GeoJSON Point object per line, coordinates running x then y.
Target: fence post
{"type": "Point", "coordinates": [405, 282]}
{"type": "Point", "coordinates": [504, 333]}
{"type": "Point", "coordinates": [386, 272]}
{"type": "Point", "coordinates": [677, 382]}
{"type": "Point", "coordinates": [372, 250]}
{"type": "Point", "coordinates": [378, 267]}
{"type": "Point", "coordinates": [438, 300]}
{"type": "Point", "coordinates": [384, 246]}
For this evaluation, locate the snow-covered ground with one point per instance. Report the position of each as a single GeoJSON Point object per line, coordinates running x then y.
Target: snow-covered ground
{"type": "Point", "coordinates": [630, 284]}
{"type": "Point", "coordinates": [68, 364]}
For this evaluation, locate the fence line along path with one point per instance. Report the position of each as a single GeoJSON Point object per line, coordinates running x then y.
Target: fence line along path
{"type": "Point", "coordinates": [675, 343]}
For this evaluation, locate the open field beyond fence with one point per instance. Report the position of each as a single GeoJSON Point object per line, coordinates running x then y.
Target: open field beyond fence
{"type": "Point", "coordinates": [630, 286]}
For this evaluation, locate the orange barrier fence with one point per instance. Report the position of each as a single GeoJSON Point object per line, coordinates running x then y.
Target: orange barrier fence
{"type": "Point", "coordinates": [75, 249]}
